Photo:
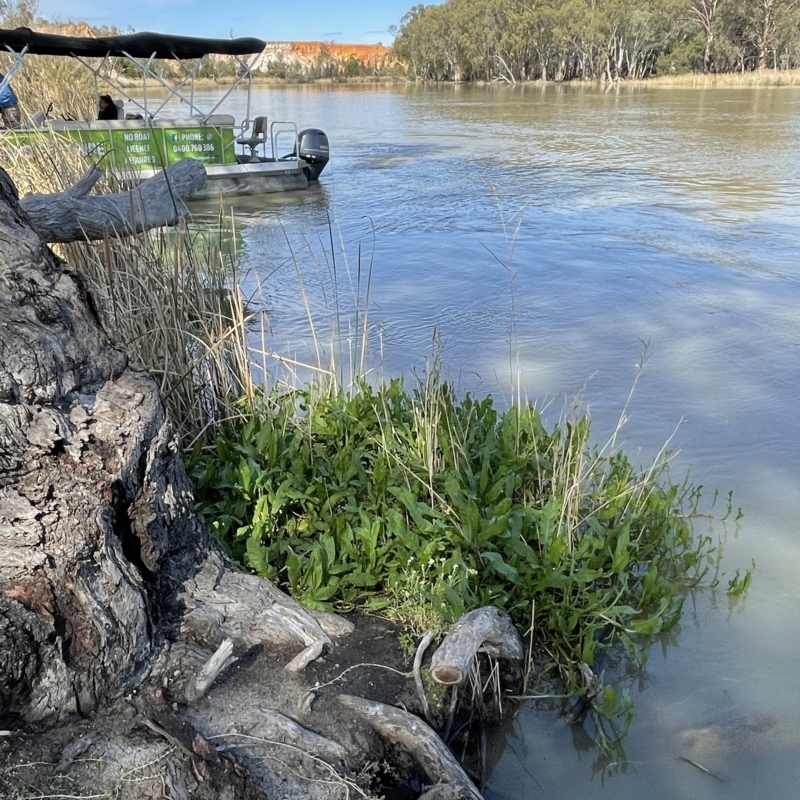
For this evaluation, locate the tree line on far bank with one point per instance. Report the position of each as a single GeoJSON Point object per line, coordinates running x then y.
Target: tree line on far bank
{"type": "Point", "coordinates": [515, 40]}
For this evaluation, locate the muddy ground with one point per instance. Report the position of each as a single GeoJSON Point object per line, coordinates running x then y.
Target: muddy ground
{"type": "Point", "coordinates": [227, 745]}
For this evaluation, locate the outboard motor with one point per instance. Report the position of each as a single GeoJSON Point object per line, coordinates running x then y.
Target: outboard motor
{"type": "Point", "coordinates": [313, 149]}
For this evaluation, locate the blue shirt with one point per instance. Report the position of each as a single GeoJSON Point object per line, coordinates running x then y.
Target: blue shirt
{"type": "Point", "coordinates": [7, 96]}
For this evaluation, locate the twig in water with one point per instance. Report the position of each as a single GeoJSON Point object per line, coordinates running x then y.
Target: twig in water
{"type": "Point", "coordinates": [702, 769]}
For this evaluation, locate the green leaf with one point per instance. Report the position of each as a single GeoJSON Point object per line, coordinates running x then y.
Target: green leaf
{"type": "Point", "coordinates": [257, 555]}
{"type": "Point", "coordinates": [359, 579]}
{"type": "Point", "coordinates": [621, 552]}
{"type": "Point", "coordinates": [496, 562]}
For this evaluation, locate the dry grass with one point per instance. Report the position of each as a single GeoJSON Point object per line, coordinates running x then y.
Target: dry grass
{"type": "Point", "coordinates": [170, 298]}
{"type": "Point", "coordinates": [46, 80]}
{"type": "Point", "coordinates": [729, 80]}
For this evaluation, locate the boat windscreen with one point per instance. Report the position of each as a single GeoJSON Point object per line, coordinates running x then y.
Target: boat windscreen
{"type": "Point", "coordinates": [137, 45]}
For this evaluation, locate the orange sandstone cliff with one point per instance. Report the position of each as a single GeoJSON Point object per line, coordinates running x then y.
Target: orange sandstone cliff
{"type": "Point", "coordinates": [365, 53]}
{"type": "Point", "coordinates": [307, 54]}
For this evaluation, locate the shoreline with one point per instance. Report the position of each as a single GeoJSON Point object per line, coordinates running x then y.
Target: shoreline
{"type": "Point", "coordinates": [691, 80]}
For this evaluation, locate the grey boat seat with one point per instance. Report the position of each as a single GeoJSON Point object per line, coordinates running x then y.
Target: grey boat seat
{"type": "Point", "coordinates": [258, 136]}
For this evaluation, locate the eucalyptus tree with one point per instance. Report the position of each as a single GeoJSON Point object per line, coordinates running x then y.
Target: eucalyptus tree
{"type": "Point", "coordinates": [417, 42]}
{"type": "Point", "coordinates": [771, 26]}
{"type": "Point", "coordinates": [705, 13]}
{"type": "Point", "coordinates": [444, 29]}
{"type": "Point", "coordinates": [528, 36]}
{"type": "Point", "coordinates": [472, 29]}
{"type": "Point", "coordinates": [617, 39]}
{"type": "Point", "coordinates": [576, 34]}
{"type": "Point", "coordinates": [516, 40]}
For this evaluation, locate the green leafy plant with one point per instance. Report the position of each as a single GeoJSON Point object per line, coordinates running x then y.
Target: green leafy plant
{"type": "Point", "coordinates": [426, 506]}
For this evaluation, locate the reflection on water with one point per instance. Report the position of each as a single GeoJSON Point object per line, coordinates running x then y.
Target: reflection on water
{"type": "Point", "coordinates": [545, 235]}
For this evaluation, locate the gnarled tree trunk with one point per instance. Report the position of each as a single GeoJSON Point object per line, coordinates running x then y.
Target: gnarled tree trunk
{"type": "Point", "coordinates": [103, 563]}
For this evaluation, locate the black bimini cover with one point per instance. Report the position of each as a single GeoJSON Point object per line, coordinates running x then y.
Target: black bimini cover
{"type": "Point", "coordinates": [138, 45]}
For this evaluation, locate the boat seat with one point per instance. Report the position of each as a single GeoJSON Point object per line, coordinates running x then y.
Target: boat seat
{"type": "Point", "coordinates": [258, 136]}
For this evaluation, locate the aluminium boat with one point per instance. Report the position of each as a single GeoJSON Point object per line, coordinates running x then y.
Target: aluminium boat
{"type": "Point", "coordinates": [240, 158]}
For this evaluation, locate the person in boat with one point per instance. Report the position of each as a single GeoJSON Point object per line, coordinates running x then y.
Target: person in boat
{"type": "Point", "coordinates": [107, 108]}
{"type": "Point", "coordinates": [9, 106]}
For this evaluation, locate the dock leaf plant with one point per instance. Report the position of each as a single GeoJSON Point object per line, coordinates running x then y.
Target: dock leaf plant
{"type": "Point", "coordinates": [424, 506]}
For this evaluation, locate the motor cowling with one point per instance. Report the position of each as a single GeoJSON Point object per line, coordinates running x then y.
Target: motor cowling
{"type": "Point", "coordinates": [313, 148]}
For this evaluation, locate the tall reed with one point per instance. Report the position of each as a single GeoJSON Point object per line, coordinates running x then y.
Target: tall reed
{"type": "Point", "coordinates": [59, 86]}
{"type": "Point", "coordinates": [170, 298]}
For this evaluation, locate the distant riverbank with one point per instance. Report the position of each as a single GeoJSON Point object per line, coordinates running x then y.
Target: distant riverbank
{"type": "Point", "coordinates": [687, 80]}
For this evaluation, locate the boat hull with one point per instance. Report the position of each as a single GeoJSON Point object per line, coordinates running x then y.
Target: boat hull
{"type": "Point", "coordinates": [134, 150]}
{"type": "Point", "coordinates": [242, 180]}
{"type": "Point", "coordinates": [246, 184]}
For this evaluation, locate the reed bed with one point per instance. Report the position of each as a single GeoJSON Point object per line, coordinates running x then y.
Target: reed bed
{"type": "Point", "coordinates": [727, 80]}
{"type": "Point", "coordinates": [171, 298]}
{"type": "Point", "coordinates": [59, 86]}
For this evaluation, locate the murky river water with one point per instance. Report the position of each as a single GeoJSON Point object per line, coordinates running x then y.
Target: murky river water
{"type": "Point", "coordinates": [542, 236]}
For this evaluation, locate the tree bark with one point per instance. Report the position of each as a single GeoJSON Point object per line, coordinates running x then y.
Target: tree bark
{"type": "Point", "coordinates": [103, 563]}
{"type": "Point", "coordinates": [75, 214]}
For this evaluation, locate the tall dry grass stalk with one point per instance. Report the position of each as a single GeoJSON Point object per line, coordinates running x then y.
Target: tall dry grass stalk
{"type": "Point", "coordinates": [53, 165]}
{"type": "Point", "coordinates": [170, 298]}
{"type": "Point", "coordinates": [59, 84]}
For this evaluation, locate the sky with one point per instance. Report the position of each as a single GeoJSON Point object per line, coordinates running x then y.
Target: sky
{"type": "Point", "coordinates": [345, 21]}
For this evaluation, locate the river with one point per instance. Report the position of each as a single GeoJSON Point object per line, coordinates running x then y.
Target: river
{"type": "Point", "coordinates": [535, 239]}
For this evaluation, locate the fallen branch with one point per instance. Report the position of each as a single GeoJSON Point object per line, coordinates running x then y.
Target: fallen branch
{"type": "Point", "coordinates": [76, 215]}
{"type": "Point", "coordinates": [487, 629]}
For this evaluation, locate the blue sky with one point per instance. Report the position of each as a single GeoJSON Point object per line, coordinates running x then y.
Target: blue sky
{"type": "Point", "coordinates": [347, 21]}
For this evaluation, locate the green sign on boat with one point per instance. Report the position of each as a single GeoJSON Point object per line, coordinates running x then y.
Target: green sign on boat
{"type": "Point", "coordinates": [144, 148]}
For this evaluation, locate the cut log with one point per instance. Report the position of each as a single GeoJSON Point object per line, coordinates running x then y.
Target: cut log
{"type": "Point", "coordinates": [485, 629]}
{"type": "Point", "coordinates": [76, 215]}
{"type": "Point", "coordinates": [419, 740]}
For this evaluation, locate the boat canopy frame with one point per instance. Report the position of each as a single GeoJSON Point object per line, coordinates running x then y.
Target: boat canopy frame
{"type": "Point", "coordinates": [141, 50]}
